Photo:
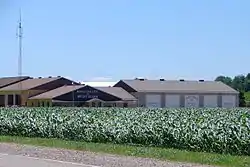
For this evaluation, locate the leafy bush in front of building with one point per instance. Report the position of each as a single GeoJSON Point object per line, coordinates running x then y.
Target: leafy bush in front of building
{"type": "Point", "coordinates": [211, 130]}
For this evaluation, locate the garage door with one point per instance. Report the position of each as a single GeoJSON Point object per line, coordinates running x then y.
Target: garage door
{"type": "Point", "coordinates": [192, 101]}
{"type": "Point", "coordinates": [172, 101]}
{"type": "Point", "coordinates": [210, 101]}
{"type": "Point", "coordinates": [153, 101]}
{"type": "Point", "coordinates": [228, 101]}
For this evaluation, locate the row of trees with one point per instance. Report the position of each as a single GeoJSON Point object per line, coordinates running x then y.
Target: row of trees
{"type": "Point", "coordinates": [240, 83]}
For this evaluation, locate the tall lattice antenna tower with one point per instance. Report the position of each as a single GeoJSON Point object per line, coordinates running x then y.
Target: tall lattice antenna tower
{"type": "Point", "coordinates": [20, 37]}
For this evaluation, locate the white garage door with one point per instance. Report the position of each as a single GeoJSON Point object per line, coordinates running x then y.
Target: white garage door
{"type": "Point", "coordinates": [228, 101]}
{"type": "Point", "coordinates": [172, 101]}
{"type": "Point", "coordinates": [192, 101]}
{"type": "Point", "coordinates": [210, 101]}
{"type": "Point", "coordinates": [153, 101]}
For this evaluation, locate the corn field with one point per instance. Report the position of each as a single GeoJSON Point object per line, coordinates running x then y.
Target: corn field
{"type": "Point", "coordinates": [210, 130]}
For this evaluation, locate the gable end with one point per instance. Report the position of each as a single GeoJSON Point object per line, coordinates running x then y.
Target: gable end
{"type": "Point", "coordinates": [125, 86]}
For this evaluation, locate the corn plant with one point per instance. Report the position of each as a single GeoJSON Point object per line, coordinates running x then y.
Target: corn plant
{"type": "Point", "coordinates": [204, 129]}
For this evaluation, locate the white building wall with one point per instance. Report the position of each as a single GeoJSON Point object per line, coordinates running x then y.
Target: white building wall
{"type": "Point", "coordinates": [186, 100]}
{"type": "Point", "coordinates": [228, 101]}
{"type": "Point", "coordinates": [172, 101]}
{"type": "Point", "coordinates": [210, 101]}
{"type": "Point", "coordinates": [153, 101]}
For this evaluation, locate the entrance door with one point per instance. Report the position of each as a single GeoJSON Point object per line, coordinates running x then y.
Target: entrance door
{"type": "Point", "coordinates": [95, 103]}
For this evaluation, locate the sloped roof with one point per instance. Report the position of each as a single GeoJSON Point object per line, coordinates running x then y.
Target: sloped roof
{"type": "Point", "coordinates": [118, 92]}
{"type": "Point", "coordinates": [6, 81]}
{"type": "Point", "coordinates": [174, 86]}
{"type": "Point", "coordinates": [115, 91]}
{"type": "Point", "coordinates": [57, 92]}
{"type": "Point", "coordinates": [29, 83]}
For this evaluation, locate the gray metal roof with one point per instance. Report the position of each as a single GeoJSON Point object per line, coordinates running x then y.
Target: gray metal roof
{"type": "Point", "coordinates": [29, 83]}
{"type": "Point", "coordinates": [118, 92]}
{"type": "Point", "coordinates": [175, 86]}
{"type": "Point", "coordinates": [6, 81]}
{"type": "Point", "coordinates": [57, 92]}
{"type": "Point", "coordinates": [115, 91]}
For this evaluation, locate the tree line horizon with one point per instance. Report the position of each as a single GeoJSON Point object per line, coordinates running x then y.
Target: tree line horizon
{"type": "Point", "coordinates": [240, 83]}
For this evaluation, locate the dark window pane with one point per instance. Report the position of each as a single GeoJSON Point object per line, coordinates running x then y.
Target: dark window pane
{"type": "Point", "coordinates": [2, 100]}
{"type": "Point", "coordinates": [10, 100]}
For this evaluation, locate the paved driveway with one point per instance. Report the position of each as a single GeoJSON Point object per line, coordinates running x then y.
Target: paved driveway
{"type": "Point", "coordinates": [24, 161]}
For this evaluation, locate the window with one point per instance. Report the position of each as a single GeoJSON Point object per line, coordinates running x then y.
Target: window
{"type": "Point", "coordinates": [93, 104]}
{"type": "Point", "coordinates": [48, 104]}
{"type": "Point", "coordinates": [18, 100]}
{"type": "Point", "coordinates": [10, 100]}
{"type": "Point", "coordinates": [2, 100]}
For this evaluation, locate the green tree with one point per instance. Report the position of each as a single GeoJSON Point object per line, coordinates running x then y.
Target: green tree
{"type": "Point", "coordinates": [247, 86]}
{"type": "Point", "coordinates": [226, 80]}
{"type": "Point", "coordinates": [242, 101]}
{"type": "Point", "coordinates": [248, 76]}
{"type": "Point", "coordinates": [247, 83]}
{"type": "Point", "coordinates": [239, 83]}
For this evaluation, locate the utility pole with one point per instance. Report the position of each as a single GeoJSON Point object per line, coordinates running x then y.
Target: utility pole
{"type": "Point", "coordinates": [20, 38]}
{"type": "Point", "coordinates": [73, 96]}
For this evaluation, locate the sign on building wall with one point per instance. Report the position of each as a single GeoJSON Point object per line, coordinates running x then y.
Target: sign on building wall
{"type": "Point", "coordinates": [87, 94]}
{"type": "Point", "coordinates": [192, 101]}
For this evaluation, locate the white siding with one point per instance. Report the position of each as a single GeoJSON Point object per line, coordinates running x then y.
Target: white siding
{"type": "Point", "coordinates": [211, 101]}
{"type": "Point", "coordinates": [192, 101]}
{"type": "Point", "coordinates": [228, 101]}
{"type": "Point", "coordinates": [153, 101]}
{"type": "Point", "coordinates": [172, 101]}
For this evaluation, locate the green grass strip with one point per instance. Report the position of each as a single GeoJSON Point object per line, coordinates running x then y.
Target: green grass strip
{"type": "Point", "coordinates": [147, 152]}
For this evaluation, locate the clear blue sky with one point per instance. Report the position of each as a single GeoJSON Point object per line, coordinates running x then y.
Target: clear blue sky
{"type": "Point", "coordinates": [87, 39]}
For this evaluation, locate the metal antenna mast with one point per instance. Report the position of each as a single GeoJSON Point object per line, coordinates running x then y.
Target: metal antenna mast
{"type": "Point", "coordinates": [20, 37]}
